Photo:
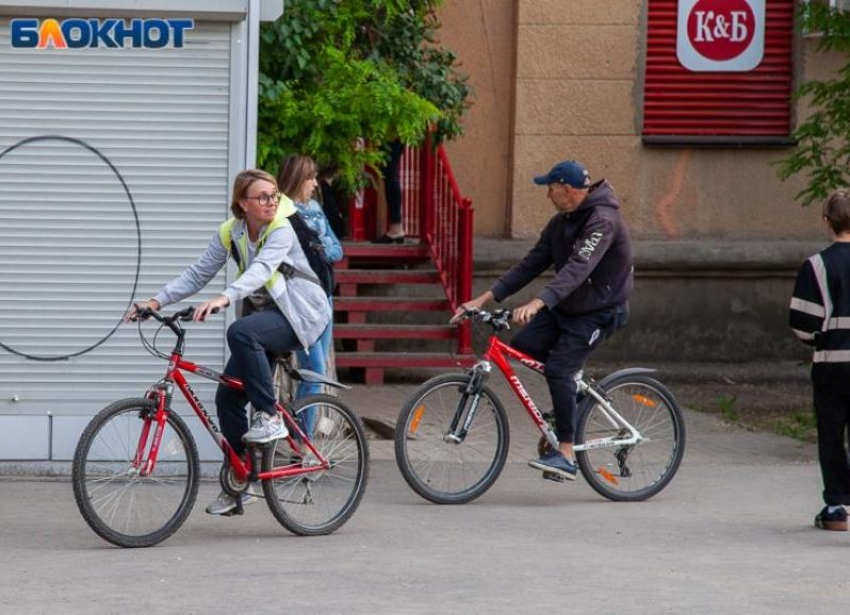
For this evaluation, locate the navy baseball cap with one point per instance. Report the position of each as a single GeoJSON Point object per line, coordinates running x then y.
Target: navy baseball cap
{"type": "Point", "coordinates": [567, 172]}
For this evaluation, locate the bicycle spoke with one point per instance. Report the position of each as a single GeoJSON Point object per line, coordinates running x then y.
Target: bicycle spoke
{"type": "Point", "coordinates": [116, 500]}
{"type": "Point", "coordinates": [651, 459]}
{"type": "Point", "coordinates": [313, 501]}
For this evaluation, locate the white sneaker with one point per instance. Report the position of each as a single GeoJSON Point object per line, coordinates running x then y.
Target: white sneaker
{"type": "Point", "coordinates": [265, 428]}
{"type": "Point", "coordinates": [226, 503]}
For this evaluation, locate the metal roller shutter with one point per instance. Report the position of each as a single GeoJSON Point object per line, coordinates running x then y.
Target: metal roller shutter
{"type": "Point", "coordinates": [68, 242]}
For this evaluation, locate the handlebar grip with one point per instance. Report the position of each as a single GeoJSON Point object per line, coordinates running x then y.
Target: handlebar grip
{"type": "Point", "coordinates": [144, 313]}
{"type": "Point", "coordinates": [189, 313]}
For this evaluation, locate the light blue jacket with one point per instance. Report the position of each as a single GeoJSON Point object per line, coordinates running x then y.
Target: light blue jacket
{"type": "Point", "coordinates": [314, 216]}
{"type": "Point", "coordinates": [302, 302]}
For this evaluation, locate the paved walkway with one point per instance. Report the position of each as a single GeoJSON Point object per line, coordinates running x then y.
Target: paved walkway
{"type": "Point", "coordinates": [710, 441]}
{"type": "Point", "coordinates": [731, 534]}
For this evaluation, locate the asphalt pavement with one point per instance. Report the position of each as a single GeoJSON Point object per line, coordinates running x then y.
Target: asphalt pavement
{"type": "Point", "coordinates": [731, 534]}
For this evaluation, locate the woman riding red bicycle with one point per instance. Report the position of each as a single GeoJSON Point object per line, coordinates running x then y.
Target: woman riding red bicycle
{"type": "Point", "coordinates": [285, 311]}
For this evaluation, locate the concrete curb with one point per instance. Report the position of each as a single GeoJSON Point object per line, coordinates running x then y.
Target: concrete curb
{"type": "Point", "coordinates": [673, 255]}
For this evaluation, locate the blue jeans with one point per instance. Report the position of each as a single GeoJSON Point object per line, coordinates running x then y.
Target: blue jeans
{"type": "Point", "coordinates": [315, 361]}
{"type": "Point", "coordinates": [252, 340]}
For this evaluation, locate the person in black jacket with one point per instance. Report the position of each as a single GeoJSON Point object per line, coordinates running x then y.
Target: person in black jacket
{"type": "Point", "coordinates": [820, 317]}
{"type": "Point", "coordinates": [586, 301]}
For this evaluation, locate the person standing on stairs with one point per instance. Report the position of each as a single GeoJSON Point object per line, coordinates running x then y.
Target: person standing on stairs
{"type": "Point", "coordinates": [392, 190]}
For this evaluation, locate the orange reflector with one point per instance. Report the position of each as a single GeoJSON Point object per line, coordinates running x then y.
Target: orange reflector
{"type": "Point", "coordinates": [417, 417]}
{"type": "Point", "coordinates": [608, 476]}
{"type": "Point", "coordinates": [644, 400]}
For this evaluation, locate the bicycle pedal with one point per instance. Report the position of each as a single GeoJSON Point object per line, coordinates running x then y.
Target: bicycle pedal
{"type": "Point", "coordinates": [554, 477]}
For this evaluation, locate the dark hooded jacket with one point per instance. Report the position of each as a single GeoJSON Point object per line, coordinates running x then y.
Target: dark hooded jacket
{"type": "Point", "coordinates": [592, 254]}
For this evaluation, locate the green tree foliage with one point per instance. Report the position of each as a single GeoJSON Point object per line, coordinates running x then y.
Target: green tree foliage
{"type": "Point", "coordinates": [339, 79]}
{"type": "Point", "coordinates": [823, 149]}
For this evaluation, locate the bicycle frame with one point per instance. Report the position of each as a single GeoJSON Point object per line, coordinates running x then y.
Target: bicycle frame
{"type": "Point", "coordinates": [500, 353]}
{"type": "Point", "coordinates": [243, 470]}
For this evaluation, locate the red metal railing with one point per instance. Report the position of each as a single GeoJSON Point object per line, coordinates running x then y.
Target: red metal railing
{"type": "Point", "coordinates": [434, 211]}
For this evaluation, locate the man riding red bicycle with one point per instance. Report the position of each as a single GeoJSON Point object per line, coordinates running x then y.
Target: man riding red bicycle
{"type": "Point", "coordinates": [586, 301]}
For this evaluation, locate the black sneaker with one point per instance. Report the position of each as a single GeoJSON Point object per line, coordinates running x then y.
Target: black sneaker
{"type": "Point", "coordinates": [835, 521]}
{"type": "Point", "coordinates": [555, 463]}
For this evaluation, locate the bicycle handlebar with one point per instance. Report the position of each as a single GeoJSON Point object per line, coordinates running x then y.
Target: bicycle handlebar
{"type": "Point", "coordinates": [185, 315]}
{"type": "Point", "coordinates": [497, 319]}
{"type": "Point", "coordinates": [172, 322]}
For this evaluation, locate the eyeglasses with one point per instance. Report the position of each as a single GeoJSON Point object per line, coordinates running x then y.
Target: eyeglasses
{"type": "Point", "coordinates": [265, 199]}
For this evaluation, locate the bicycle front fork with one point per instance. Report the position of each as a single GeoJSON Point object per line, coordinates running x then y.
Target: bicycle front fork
{"type": "Point", "coordinates": [468, 404]}
{"type": "Point", "coordinates": [156, 419]}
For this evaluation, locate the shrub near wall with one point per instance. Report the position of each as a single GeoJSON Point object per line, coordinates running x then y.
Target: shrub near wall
{"type": "Point", "coordinates": [338, 80]}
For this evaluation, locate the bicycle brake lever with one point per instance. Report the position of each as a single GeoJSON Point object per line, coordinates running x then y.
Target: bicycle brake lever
{"type": "Point", "coordinates": [466, 315]}
{"type": "Point", "coordinates": [190, 313]}
{"type": "Point", "coordinates": [190, 316]}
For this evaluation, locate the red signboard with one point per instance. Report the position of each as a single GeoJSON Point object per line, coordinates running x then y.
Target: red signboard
{"type": "Point", "coordinates": [718, 71]}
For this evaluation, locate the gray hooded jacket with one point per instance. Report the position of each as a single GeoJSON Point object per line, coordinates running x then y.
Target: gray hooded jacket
{"type": "Point", "coordinates": [303, 303]}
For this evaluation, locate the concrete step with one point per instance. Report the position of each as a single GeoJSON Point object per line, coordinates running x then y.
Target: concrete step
{"type": "Point", "coordinates": [389, 304]}
{"type": "Point", "coordinates": [403, 359]}
{"type": "Point", "coordinates": [382, 253]}
{"type": "Point", "coordinates": [387, 276]}
{"type": "Point", "coordinates": [389, 331]}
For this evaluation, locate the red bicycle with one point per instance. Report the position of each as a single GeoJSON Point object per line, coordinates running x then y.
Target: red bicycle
{"type": "Point", "coordinates": [136, 470]}
{"type": "Point", "coordinates": [451, 438]}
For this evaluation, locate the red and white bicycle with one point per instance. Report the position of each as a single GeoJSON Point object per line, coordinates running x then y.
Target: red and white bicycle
{"type": "Point", "coordinates": [452, 438]}
{"type": "Point", "coordinates": [136, 470]}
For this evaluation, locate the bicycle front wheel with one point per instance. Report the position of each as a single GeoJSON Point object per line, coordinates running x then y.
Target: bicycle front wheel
{"type": "Point", "coordinates": [319, 502]}
{"type": "Point", "coordinates": [120, 504]}
{"type": "Point", "coordinates": [634, 472]}
{"type": "Point", "coordinates": [437, 465]}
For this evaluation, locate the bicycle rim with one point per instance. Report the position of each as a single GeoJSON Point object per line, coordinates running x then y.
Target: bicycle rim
{"type": "Point", "coordinates": [438, 468]}
{"type": "Point", "coordinates": [637, 472]}
{"type": "Point", "coordinates": [117, 502]}
{"type": "Point", "coordinates": [319, 502]}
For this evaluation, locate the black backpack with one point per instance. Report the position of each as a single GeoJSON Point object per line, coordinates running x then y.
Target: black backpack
{"type": "Point", "coordinates": [315, 253]}
{"type": "Point", "coordinates": [313, 250]}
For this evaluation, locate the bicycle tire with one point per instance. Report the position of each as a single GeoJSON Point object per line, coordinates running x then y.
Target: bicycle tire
{"type": "Point", "coordinates": [634, 397]}
{"type": "Point", "coordinates": [94, 454]}
{"type": "Point", "coordinates": [409, 448]}
{"type": "Point", "coordinates": [292, 499]}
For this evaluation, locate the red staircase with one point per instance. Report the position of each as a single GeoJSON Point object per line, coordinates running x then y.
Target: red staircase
{"type": "Point", "coordinates": [402, 295]}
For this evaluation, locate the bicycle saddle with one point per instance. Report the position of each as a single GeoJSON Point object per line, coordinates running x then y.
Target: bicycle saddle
{"type": "Point", "coordinates": [306, 375]}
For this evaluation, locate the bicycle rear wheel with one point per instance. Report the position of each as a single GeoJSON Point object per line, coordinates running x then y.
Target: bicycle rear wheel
{"type": "Point", "coordinates": [119, 504]}
{"type": "Point", "coordinates": [319, 502]}
{"type": "Point", "coordinates": [633, 472]}
{"type": "Point", "coordinates": [438, 468]}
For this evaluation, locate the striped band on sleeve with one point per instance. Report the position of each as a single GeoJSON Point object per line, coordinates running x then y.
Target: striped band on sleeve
{"type": "Point", "coordinates": [808, 307]}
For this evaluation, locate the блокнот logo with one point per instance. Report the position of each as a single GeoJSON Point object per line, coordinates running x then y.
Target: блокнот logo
{"type": "Point", "coordinates": [93, 33]}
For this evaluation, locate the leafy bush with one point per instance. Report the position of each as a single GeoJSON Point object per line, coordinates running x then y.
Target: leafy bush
{"type": "Point", "coordinates": [823, 149]}
{"type": "Point", "coordinates": [339, 79]}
